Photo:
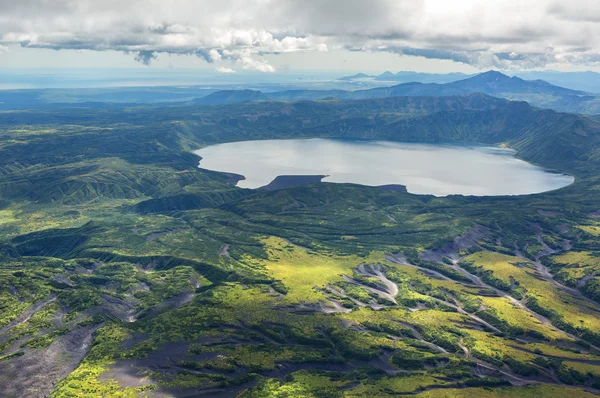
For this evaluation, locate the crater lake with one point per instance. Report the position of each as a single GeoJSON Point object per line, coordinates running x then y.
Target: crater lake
{"type": "Point", "coordinates": [424, 168]}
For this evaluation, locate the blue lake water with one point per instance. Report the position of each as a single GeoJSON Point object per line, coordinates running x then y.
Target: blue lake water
{"type": "Point", "coordinates": [438, 169]}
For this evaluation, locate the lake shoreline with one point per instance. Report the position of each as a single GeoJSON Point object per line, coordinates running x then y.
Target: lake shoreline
{"type": "Point", "coordinates": [439, 169]}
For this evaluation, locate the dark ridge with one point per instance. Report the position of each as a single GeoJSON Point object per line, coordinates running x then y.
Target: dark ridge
{"type": "Point", "coordinates": [393, 188]}
{"type": "Point", "coordinates": [62, 243]}
{"type": "Point", "coordinates": [231, 97]}
{"type": "Point", "coordinates": [189, 201]}
{"type": "Point", "coordinates": [282, 182]}
{"type": "Point", "coordinates": [209, 271]}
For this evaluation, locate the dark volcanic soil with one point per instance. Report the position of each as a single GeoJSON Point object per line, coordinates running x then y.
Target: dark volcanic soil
{"type": "Point", "coordinates": [282, 182]}
{"type": "Point", "coordinates": [35, 373]}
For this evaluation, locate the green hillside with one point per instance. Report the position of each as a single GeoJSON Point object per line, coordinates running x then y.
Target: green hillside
{"type": "Point", "coordinates": [126, 270]}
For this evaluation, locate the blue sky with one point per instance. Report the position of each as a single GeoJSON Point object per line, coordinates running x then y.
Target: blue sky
{"type": "Point", "coordinates": [340, 60]}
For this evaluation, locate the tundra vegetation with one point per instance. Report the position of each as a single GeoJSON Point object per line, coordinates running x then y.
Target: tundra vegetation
{"type": "Point", "coordinates": [127, 271]}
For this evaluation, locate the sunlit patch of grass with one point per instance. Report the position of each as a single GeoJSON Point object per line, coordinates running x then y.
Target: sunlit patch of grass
{"type": "Point", "coordinates": [540, 390]}
{"type": "Point", "coordinates": [575, 311]}
{"type": "Point", "coordinates": [577, 264]}
{"type": "Point", "coordinates": [40, 220]}
{"type": "Point", "coordinates": [29, 217]}
{"type": "Point", "coordinates": [11, 307]}
{"type": "Point", "coordinates": [365, 315]}
{"type": "Point", "coordinates": [413, 273]}
{"type": "Point", "coordinates": [437, 326]}
{"type": "Point", "coordinates": [436, 318]}
{"type": "Point", "coordinates": [7, 216]}
{"type": "Point", "coordinates": [307, 384]}
{"type": "Point", "coordinates": [255, 357]}
{"type": "Point", "coordinates": [231, 305]}
{"type": "Point", "coordinates": [184, 380]}
{"type": "Point", "coordinates": [583, 368]}
{"type": "Point", "coordinates": [553, 351]}
{"type": "Point", "coordinates": [41, 321]}
{"type": "Point", "coordinates": [302, 384]}
{"type": "Point", "coordinates": [495, 347]}
{"type": "Point", "coordinates": [301, 270]}
{"type": "Point", "coordinates": [390, 386]}
{"type": "Point", "coordinates": [312, 384]}
{"type": "Point", "coordinates": [518, 317]}
{"type": "Point", "coordinates": [590, 229]}
{"type": "Point", "coordinates": [84, 381]}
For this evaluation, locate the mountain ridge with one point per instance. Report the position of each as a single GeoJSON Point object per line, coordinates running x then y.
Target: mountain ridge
{"type": "Point", "coordinates": [588, 81]}
{"type": "Point", "coordinates": [409, 76]}
{"type": "Point", "coordinates": [537, 92]}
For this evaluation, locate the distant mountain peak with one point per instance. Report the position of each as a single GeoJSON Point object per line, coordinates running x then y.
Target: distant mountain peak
{"type": "Point", "coordinates": [410, 76]}
{"type": "Point", "coordinates": [492, 75]}
{"type": "Point", "coordinates": [493, 72]}
{"type": "Point", "coordinates": [356, 76]}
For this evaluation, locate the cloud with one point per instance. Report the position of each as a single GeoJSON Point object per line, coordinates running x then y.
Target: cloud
{"type": "Point", "coordinates": [222, 69]}
{"type": "Point", "coordinates": [145, 56]}
{"type": "Point", "coordinates": [482, 59]}
{"type": "Point", "coordinates": [247, 62]}
{"type": "Point", "coordinates": [575, 10]}
{"type": "Point", "coordinates": [3, 49]}
{"type": "Point", "coordinates": [494, 33]}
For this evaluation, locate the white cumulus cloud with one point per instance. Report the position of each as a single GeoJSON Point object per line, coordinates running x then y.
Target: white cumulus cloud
{"type": "Point", "coordinates": [222, 69]}
{"type": "Point", "coordinates": [492, 33]}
